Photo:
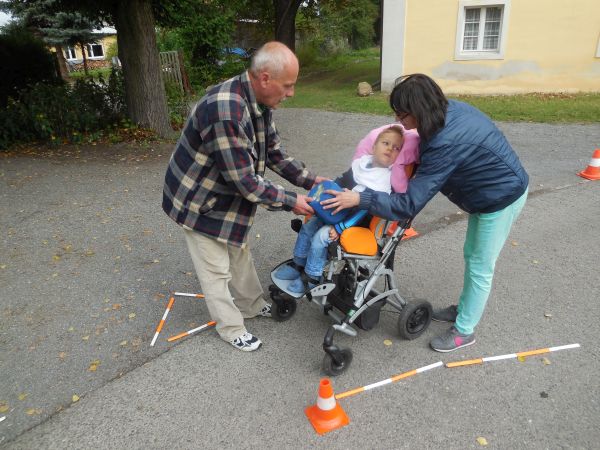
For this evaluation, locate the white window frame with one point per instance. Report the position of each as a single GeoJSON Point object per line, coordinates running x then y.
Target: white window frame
{"type": "Point", "coordinates": [89, 51]}
{"type": "Point", "coordinates": [68, 51]}
{"type": "Point", "coordinates": [464, 55]}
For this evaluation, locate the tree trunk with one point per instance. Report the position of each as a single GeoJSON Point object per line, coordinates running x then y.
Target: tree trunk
{"type": "Point", "coordinates": [85, 65]}
{"type": "Point", "coordinates": [62, 63]}
{"type": "Point", "coordinates": [144, 89]}
{"type": "Point", "coordinates": [285, 21]}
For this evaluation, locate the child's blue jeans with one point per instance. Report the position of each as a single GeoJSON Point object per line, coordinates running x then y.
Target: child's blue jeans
{"type": "Point", "coordinates": [486, 235]}
{"type": "Point", "coordinates": [310, 250]}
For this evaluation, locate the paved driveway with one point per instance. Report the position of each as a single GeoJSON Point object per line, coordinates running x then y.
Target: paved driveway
{"type": "Point", "coordinates": [87, 259]}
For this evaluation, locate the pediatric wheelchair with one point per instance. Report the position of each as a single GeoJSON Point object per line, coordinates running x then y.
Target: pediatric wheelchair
{"type": "Point", "coordinates": [350, 291]}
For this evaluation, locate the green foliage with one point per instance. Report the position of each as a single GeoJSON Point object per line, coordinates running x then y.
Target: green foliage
{"type": "Point", "coordinates": [334, 26]}
{"type": "Point", "coordinates": [25, 60]}
{"type": "Point", "coordinates": [201, 29]}
{"type": "Point", "coordinates": [54, 113]}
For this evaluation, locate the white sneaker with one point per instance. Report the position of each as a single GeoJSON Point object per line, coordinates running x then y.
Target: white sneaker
{"type": "Point", "coordinates": [246, 342]}
{"type": "Point", "coordinates": [265, 311]}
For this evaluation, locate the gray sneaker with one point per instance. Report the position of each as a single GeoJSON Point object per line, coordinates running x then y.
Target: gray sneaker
{"type": "Point", "coordinates": [246, 342]}
{"type": "Point", "coordinates": [445, 315]}
{"type": "Point", "coordinates": [451, 340]}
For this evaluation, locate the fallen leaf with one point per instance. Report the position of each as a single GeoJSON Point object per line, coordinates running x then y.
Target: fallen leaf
{"type": "Point", "coordinates": [132, 315]}
{"type": "Point", "coordinates": [387, 342]}
{"type": "Point", "coordinates": [535, 261]}
{"type": "Point", "coordinates": [33, 411]}
{"type": "Point", "coordinates": [62, 355]}
{"type": "Point", "coordinates": [116, 306]}
{"type": "Point", "coordinates": [546, 361]}
{"type": "Point", "coordinates": [56, 258]}
{"type": "Point", "coordinates": [2, 266]}
{"type": "Point", "coordinates": [94, 365]}
{"type": "Point", "coordinates": [22, 396]}
{"type": "Point", "coordinates": [123, 343]}
{"type": "Point", "coordinates": [521, 358]}
{"type": "Point", "coordinates": [4, 407]}
{"type": "Point", "coordinates": [514, 243]}
{"type": "Point", "coordinates": [544, 394]}
{"type": "Point", "coordinates": [89, 253]}
{"type": "Point", "coordinates": [548, 315]}
{"type": "Point", "coordinates": [85, 338]}
{"type": "Point", "coordinates": [482, 441]}
{"type": "Point", "coordinates": [75, 398]}
{"type": "Point", "coordinates": [155, 261]}
{"type": "Point", "coordinates": [71, 329]}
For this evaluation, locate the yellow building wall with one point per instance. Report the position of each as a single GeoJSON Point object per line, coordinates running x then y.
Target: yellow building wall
{"type": "Point", "coordinates": [551, 47]}
{"type": "Point", "coordinates": [106, 42]}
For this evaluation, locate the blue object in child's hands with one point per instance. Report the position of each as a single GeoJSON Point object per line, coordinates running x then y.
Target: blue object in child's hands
{"type": "Point", "coordinates": [317, 193]}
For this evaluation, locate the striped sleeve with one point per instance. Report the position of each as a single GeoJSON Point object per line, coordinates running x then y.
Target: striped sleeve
{"type": "Point", "coordinates": [230, 148]}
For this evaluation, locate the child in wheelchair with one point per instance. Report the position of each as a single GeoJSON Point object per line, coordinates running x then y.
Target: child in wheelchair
{"type": "Point", "coordinates": [371, 171]}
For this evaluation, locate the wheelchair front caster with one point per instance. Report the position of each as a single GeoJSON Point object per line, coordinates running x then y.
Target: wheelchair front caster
{"type": "Point", "coordinates": [331, 367]}
{"type": "Point", "coordinates": [283, 307]}
{"type": "Point", "coordinates": [414, 319]}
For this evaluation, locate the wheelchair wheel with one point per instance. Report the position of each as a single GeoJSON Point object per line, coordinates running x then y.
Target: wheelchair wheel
{"type": "Point", "coordinates": [331, 368]}
{"type": "Point", "coordinates": [283, 308]}
{"type": "Point", "coordinates": [414, 319]}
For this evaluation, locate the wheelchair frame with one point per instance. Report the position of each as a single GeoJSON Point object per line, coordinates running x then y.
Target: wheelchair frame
{"type": "Point", "coordinates": [357, 277]}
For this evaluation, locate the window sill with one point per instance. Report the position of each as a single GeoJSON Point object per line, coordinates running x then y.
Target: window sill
{"type": "Point", "coordinates": [472, 56]}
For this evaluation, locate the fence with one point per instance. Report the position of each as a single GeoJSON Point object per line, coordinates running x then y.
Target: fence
{"type": "Point", "coordinates": [172, 70]}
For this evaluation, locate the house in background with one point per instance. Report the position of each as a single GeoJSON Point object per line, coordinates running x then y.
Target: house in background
{"type": "Point", "coordinates": [95, 52]}
{"type": "Point", "coordinates": [493, 46]}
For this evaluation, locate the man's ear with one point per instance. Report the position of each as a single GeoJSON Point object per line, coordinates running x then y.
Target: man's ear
{"type": "Point", "coordinates": [264, 78]}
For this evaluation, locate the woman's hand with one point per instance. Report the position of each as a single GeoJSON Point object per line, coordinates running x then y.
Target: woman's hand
{"type": "Point", "coordinates": [341, 200]}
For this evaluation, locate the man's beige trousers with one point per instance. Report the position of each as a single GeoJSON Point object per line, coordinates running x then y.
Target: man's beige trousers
{"type": "Point", "coordinates": [229, 282]}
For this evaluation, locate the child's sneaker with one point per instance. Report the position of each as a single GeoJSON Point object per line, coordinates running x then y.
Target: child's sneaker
{"type": "Point", "coordinates": [298, 287]}
{"type": "Point", "coordinates": [288, 272]}
{"type": "Point", "coordinates": [265, 311]}
{"type": "Point", "coordinates": [246, 342]}
{"type": "Point", "coordinates": [451, 340]}
{"type": "Point", "coordinates": [445, 315]}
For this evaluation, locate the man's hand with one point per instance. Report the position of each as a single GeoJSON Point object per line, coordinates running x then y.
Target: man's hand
{"type": "Point", "coordinates": [333, 234]}
{"type": "Point", "coordinates": [341, 200]}
{"type": "Point", "coordinates": [302, 208]}
{"type": "Point", "coordinates": [319, 180]}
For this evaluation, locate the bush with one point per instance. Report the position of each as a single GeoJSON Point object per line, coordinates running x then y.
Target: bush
{"type": "Point", "coordinates": [25, 61]}
{"type": "Point", "coordinates": [54, 113]}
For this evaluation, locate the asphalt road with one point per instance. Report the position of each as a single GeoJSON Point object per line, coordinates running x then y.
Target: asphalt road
{"type": "Point", "coordinates": [87, 261]}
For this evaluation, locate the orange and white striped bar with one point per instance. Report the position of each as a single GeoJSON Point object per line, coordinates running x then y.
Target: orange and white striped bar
{"type": "Point", "coordinates": [393, 379]}
{"type": "Point", "coordinates": [185, 294]}
{"type": "Point", "coordinates": [540, 351]}
{"type": "Point", "coordinates": [162, 321]}
{"type": "Point", "coordinates": [192, 331]}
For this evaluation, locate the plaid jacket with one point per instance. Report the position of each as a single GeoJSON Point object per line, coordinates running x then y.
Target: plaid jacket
{"type": "Point", "coordinates": [215, 176]}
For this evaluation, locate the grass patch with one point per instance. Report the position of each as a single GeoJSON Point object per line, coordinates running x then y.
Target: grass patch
{"type": "Point", "coordinates": [330, 84]}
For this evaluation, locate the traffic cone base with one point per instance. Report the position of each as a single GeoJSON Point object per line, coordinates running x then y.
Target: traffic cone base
{"type": "Point", "coordinates": [322, 425]}
{"type": "Point", "coordinates": [326, 415]}
{"type": "Point", "coordinates": [592, 171]}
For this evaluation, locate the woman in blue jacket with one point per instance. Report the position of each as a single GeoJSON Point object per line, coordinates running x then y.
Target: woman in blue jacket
{"type": "Point", "coordinates": [466, 158]}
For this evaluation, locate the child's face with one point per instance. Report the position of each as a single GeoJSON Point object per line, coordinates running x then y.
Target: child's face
{"type": "Point", "coordinates": [386, 149]}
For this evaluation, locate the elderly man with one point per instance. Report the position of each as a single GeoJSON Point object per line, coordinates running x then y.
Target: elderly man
{"type": "Point", "coordinates": [214, 183]}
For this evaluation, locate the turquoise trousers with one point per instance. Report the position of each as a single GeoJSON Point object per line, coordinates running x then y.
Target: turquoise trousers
{"type": "Point", "coordinates": [486, 235]}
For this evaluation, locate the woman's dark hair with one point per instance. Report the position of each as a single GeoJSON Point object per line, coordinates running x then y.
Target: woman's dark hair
{"type": "Point", "coordinates": [422, 98]}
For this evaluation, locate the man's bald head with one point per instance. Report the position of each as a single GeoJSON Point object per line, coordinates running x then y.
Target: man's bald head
{"type": "Point", "coordinates": [273, 73]}
{"type": "Point", "coordinates": [273, 57]}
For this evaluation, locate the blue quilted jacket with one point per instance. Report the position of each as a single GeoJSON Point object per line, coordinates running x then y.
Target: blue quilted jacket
{"type": "Point", "coordinates": [469, 161]}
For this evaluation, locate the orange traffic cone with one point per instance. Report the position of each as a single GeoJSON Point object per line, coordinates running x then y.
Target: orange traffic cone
{"type": "Point", "coordinates": [592, 171]}
{"type": "Point", "coordinates": [326, 415]}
